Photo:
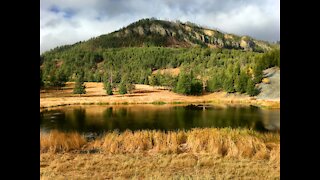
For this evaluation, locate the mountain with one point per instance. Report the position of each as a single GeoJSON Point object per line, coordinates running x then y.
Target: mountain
{"type": "Point", "coordinates": [210, 59]}
{"type": "Point", "coordinates": [160, 33]}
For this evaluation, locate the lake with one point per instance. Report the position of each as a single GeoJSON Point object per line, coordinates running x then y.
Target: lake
{"type": "Point", "coordinates": [99, 119]}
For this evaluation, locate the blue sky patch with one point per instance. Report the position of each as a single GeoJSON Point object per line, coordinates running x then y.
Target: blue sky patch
{"type": "Point", "coordinates": [68, 13]}
{"type": "Point", "coordinates": [55, 9]}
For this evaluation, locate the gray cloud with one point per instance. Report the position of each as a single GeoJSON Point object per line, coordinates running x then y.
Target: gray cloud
{"type": "Point", "coordinates": [68, 21]}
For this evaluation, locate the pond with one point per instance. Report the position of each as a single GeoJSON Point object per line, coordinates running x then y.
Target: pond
{"type": "Point", "coordinates": [99, 119]}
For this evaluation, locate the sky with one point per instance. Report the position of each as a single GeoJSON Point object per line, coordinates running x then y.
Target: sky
{"type": "Point", "coordinates": [69, 21]}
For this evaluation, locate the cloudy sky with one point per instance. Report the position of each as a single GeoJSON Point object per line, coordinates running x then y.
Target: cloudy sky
{"type": "Point", "coordinates": [69, 21]}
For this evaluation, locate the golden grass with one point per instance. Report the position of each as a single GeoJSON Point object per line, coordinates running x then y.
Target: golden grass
{"type": "Point", "coordinates": [56, 141]}
{"type": "Point", "coordinates": [208, 153]}
{"type": "Point", "coordinates": [157, 166]}
{"type": "Point", "coordinates": [218, 142]}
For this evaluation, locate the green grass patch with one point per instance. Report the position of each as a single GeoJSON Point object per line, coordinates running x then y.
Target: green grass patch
{"type": "Point", "coordinates": [158, 102]}
{"type": "Point", "coordinates": [102, 103]}
{"type": "Point", "coordinates": [177, 103]}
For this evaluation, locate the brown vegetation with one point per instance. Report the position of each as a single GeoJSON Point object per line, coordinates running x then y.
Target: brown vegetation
{"type": "Point", "coordinates": [197, 153]}
{"type": "Point", "coordinates": [56, 141]}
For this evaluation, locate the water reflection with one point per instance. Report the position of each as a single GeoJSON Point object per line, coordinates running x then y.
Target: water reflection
{"type": "Point", "coordinates": [137, 117]}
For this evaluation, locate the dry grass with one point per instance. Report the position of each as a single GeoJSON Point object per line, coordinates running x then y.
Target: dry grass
{"type": "Point", "coordinates": [218, 142]}
{"type": "Point", "coordinates": [56, 141]}
{"type": "Point", "coordinates": [157, 166]}
{"type": "Point", "coordinates": [171, 71]}
{"type": "Point", "coordinates": [141, 95]}
{"type": "Point", "coordinates": [196, 154]}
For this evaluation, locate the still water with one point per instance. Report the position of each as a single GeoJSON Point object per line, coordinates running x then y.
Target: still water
{"type": "Point", "coordinates": [99, 119]}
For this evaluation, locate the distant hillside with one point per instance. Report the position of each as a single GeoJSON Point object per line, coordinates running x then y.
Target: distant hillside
{"type": "Point", "coordinates": [152, 32]}
{"type": "Point", "coordinates": [203, 60]}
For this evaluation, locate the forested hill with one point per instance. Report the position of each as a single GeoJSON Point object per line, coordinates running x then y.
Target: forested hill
{"type": "Point", "coordinates": [152, 32]}
{"type": "Point", "coordinates": [208, 59]}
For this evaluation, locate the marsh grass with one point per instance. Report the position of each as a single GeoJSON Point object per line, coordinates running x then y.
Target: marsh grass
{"type": "Point", "coordinates": [194, 154]}
{"type": "Point", "coordinates": [225, 142]}
{"type": "Point", "coordinates": [56, 141]}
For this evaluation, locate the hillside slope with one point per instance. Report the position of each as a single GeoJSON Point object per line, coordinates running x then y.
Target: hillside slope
{"type": "Point", "coordinates": [152, 32]}
{"type": "Point", "coordinates": [210, 61]}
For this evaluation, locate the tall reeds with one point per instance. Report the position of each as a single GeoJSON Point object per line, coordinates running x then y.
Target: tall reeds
{"type": "Point", "coordinates": [226, 142]}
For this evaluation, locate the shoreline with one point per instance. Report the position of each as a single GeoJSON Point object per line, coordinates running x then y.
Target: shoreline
{"type": "Point", "coordinates": [145, 94]}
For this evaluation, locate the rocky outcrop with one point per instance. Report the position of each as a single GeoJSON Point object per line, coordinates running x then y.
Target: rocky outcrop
{"type": "Point", "coordinates": [246, 43]}
{"type": "Point", "coordinates": [155, 28]}
{"type": "Point", "coordinates": [190, 35]}
{"type": "Point", "coordinates": [139, 30]}
{"type": "Point", "coordinates": [270, 90]}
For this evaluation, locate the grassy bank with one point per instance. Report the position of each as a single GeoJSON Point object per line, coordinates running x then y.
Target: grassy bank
{"type": "Point", "coordinates": [197, 153]}
{"type": "Point", "coordinates": [143, 94]}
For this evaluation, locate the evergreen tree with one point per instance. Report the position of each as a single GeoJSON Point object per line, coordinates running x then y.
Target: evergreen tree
{"type": "Point", "coordinates": [57, 79]}
{"type": "Point", "coordinates": [257, 73]}
{"type": "Point", "coordinates": [183, 84]}
{"type": "Point", "coordinates": [155, 79]}
{"type": "Point", "coordinates": [196, 87]}
{"type": "Point", "coordinates": [107, 87]}
{"type": "Point", "coordinates": [146, 80]}
{"type": "Point", "coordinates": [237, 69]}
{"type": "Point", "coordinates": [240, 83]}
{"type": "Point", "coordinates": [122, 88]}
{"type": "Point", "coordinates": [79, 87]}
{"type": "Point", "coordinates": [251, 89]}
{"type": "Point", "coordinates": [228, 84]}
{"type": "Point", "coordinates": [213, 84]}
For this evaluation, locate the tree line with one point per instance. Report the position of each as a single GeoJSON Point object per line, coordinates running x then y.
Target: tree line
{"type": "Point", "coordinates": [202, 69]}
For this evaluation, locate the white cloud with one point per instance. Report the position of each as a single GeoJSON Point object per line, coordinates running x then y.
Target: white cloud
{"type": "Point", "coordinates": [69, 21]}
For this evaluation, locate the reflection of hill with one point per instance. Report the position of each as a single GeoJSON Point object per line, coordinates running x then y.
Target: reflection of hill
{"type": "Point", "coordinates": [163, 117]}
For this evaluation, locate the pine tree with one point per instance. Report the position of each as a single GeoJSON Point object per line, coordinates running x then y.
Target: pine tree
{"type": "Point", "coordinates": [251, 89]}
{"type": "Point", "coordinates": [146, 80]}
{"type": "Point", "coordinates": [122, 88]}
{"type": "Point", "coordinates": [257, 72]}
{"type": "Point", "coordinates": [196, 87]}
{"type": "Point", "coordinates": [184, 84]}
{"type": "Point", "coordinates": [79, 87]}
{"type": "Point", "coordinates": [240, 83]}
{"type": "Point", "coordinates": [228, 84]}
{"type": "Point", "coordinates": [155, 80]}
{"type": "Point", "coordinates": [107, 85]}
{"type": "Point", "coordinates": [108, 88]}
{"type": "Point", "coordinates": [215, 82]}
{"type": "Point", "coordinates": [236, 70]}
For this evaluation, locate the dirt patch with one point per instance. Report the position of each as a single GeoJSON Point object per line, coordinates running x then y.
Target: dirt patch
{"type": "Point", "coordinates": [171, 71]}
